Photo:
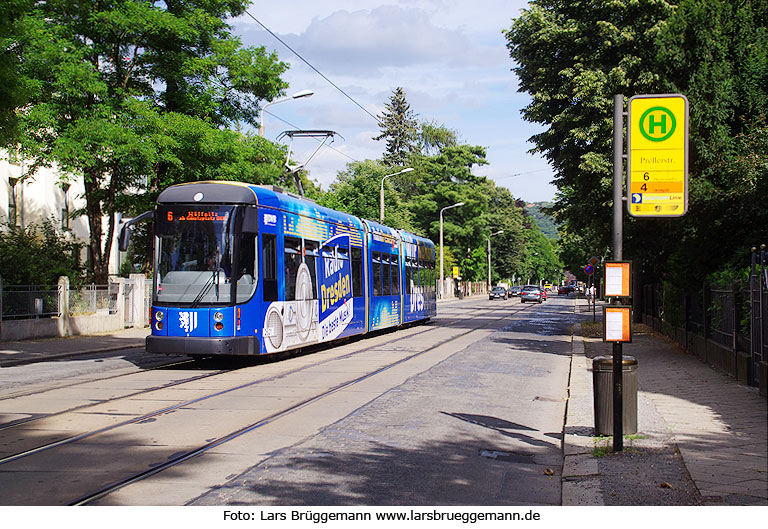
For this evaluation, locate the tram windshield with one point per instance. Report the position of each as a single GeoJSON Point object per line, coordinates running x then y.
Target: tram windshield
{"type": "Point", "coordinates": [196, 256]}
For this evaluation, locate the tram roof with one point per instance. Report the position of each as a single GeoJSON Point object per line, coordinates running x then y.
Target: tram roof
{"type": "Point", "coordinates": [227, 192]}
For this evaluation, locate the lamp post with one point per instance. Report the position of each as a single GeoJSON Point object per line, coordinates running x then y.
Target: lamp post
{"type": "Point", "coordinates": [441, 242]}
{"type": "Point", "coordinates": [297, 95]}
{"type": "Point", "coordinates": [381, 191]}
{"type": "Point", "coordinates": [489, 257]}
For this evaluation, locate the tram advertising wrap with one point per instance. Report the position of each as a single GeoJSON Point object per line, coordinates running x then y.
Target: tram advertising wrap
{"type": "Point", "coordinates": [244, 269]}
{"type": "Point", "coordinates": [336, 302]}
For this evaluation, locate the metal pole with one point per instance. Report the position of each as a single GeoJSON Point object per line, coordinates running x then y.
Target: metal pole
{"type": "Point", "coordinates": [381, 202]}
{"type": "Point", "coordinates": [618, 360]}
{"type": "Point", "coordinates": [441, 255]}
{"type": "Point", "coordinates": [441, 240]}
{"type": "Point", "coordinates": [489, 264]}
{"type": "Point", "coordinates": [618, 173]}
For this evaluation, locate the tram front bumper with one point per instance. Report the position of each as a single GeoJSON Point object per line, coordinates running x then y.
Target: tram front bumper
{"type": "Point", "coordinates": [205, 346]}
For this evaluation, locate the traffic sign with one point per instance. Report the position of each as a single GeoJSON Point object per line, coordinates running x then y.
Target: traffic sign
{"type": "Point", "coordinates": [589, 270]}
{"type": "Point", "coordinates": [657, 162]}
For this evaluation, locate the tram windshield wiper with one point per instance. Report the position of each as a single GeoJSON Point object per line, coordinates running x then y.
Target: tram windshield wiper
{"type": "Point", "coordinates": [206, 287]}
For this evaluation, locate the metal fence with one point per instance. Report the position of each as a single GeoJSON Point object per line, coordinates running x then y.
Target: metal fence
{"type": "Point", "coordinates": [29, 301]}
{"type": "Point", "coordinates": [92, 298]}
{"type": "Point", "coordinates": [44, 301]}
{"type": "Point", "coordinates": [713, 312]}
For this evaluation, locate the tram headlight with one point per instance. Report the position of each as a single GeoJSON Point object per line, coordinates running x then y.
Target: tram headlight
{"type": "Point", "coordinates": [159, 316]}
{"type": "Point", "coordinates": [218, 316]}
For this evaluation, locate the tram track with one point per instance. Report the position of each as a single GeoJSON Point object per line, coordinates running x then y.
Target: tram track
{"type": "Point", "coordinates": [42, 391]}
{"type": "Point", "coordinates": [183, 456]}
{"type": "Point", "coordinates": [156, 413]}
{"type": "Point", "coordinates": [190, 454]}
{"type": "Point", "coordinates": [39, 391]}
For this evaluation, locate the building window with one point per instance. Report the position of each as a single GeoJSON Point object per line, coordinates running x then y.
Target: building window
{"type": "Point", "coordinates": [13, 215]}
{"type": "Point", "coordinates": [65, 207]}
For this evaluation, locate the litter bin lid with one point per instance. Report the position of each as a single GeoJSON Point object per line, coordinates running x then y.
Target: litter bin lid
{"type": "Point", "coordinates": [608, 361]}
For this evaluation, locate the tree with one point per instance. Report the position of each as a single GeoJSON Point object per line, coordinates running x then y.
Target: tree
{"type": "Point", "coordinates": [398, 126]}
{"type": "Point", "coordinates": [38, 255]}
{"type": "Point", "coordinates": [433, 138]}
{"type": "Point", "coordinates": [13, 93]}
{"type": "Point", "coordinates": [714, 52]}
{"type": "Point", "coordinates": [571, 58]}
{"type": "Point", "coordinates": [107, 86]}
{"type": "Point", "coordinates": [356, 191]}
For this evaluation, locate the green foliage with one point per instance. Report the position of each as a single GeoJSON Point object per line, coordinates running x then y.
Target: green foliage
{"type": "Point", "coordinates": [443, 176]}
{"type": "Point", "coordinates": [539, 213]}
{"type": "Point", "coordinates": [572, 57]}
{"type": "Point", "coordinates": [39, 255]}
{"type": "Point", "coordinates": [399, 128]}
{"type": "Point", "coordinates": [134, 96]}
{"type": "Point", "coordinates": [433, 138]}
{"type": "Point", "coordinates": [357, 191]}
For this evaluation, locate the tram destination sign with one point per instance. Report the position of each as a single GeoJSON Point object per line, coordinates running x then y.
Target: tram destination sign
{"type": "Point", "coordinates": [657, 161]}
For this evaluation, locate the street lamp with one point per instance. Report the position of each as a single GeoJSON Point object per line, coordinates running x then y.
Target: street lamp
{"type": "Point", "coordinates": [381, 192]}
{"type": "Point", "coordinates": [489, 256]}
{"type": "Point", "coordinates": [441, 243]}
{"type": "Point", "coordinates": [297, 95]}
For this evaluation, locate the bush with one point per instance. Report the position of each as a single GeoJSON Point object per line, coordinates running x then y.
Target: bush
{"type": "Point", "coordinates": [38, 255]}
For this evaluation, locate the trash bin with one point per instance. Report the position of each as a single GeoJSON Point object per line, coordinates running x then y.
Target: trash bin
{"type": "Point", "coordinates": [602, 378]}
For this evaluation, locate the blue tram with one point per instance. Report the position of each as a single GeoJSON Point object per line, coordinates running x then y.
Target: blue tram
{"type": "Point", "coordinates": [243, 269]}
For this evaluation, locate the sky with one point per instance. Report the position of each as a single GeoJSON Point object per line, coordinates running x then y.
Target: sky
{"type": "Point", "coordinates": [449, 56]}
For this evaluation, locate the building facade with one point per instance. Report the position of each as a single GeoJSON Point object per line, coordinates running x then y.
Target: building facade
{"type": "Point", "coordinates": [48, 194]}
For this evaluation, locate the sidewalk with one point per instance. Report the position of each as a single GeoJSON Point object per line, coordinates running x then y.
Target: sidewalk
{"type": "Point", "coordinates": [702, 438]}
{"type": "Point", "coordinates": [14, 353]}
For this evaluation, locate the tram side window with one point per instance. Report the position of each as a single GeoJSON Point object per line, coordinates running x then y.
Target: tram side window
{"type": "Point", "coordinates": [386, 274]}
{"type": "Point", "coordinates": [311, 253]}
{"type": "Point", "coordinates": [418, 275]}
{"type": "Point", "coordinates": [395, 276]}
{"type": "Point", "coordinates": [245, 276]}
{"type": "Point", "coordinates": [408, 289]}
{"type": "Point", "coordinates": [292, 263]}
{"type": "Point", "coordinates": [431, 277]}
{"type": "Point", "coordinates": [376, 277]}
{"type": "Point", "coordinates": [357, 272]}
{"type": "Point", "coordinates": [269, 264]}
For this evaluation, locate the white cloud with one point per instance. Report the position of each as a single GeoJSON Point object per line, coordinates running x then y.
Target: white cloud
{"type": "Point", "coordinates": [449, 56]}
{"type": "Point", "coordinates": [387, 36]}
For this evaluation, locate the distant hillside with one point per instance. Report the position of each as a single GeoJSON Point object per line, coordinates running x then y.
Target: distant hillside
{"type": "Point", "coordinates": [545, 222]}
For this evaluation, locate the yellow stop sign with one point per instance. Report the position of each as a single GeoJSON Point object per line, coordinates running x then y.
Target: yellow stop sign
{"type": "Point", "coordinates": [657, 161]}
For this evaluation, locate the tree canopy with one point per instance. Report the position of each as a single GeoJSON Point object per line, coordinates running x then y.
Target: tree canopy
{"type": "Point", "coordinates": [444, 175]}
{"type": "Point", "coordinates": [572, 57]}
{"type": "Point", "coordinates": [398, 127]}
{"type": "Point", "coordinates": [133, 95]}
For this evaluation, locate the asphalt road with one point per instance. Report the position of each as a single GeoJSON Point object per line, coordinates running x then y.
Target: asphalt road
{"type": "Point", "coordinates": [481, 427]}
{"type": "Point", "coordinates": [467, 410]}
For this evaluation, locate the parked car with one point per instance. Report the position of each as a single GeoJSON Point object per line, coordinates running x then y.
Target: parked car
{"type": "Point", "coordinates": [531, 293]}
{"type": "Point", "coordinates": [498, 293]}
{"type": "Point", "coordinates": [514, 291]}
